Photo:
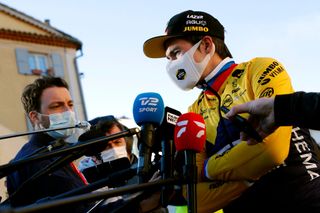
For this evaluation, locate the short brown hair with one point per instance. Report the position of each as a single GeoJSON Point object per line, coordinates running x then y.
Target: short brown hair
{"type": "Point", "coordinates": [101, 125]}
{"type": "Point", "coordinates": [105, 126]}
{"type": "Point", "coordinates": [32, 93]}
{"type": "Point", "coordinates": [221, 47]}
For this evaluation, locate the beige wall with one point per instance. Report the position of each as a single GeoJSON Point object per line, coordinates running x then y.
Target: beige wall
{"type": "Point", "coordinates": [8, 149]}
{"type": "Point", "coordinates": [71, 77]}
{"type": "Point", "coordinates": [12, 82]}
{"type": "Point", "coordinates": [8, 22]}
{"type": "Point", "coordinates": [12, 117]}
{"type": "Point", "coordinates": [11, 86]}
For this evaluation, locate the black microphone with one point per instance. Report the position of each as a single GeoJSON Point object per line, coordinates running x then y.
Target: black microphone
{"type": "Point", "coordinates": [94, 133]}
{"type": "Point", "coordinates": [98, 172]}
{"type": "Point", "coordinates": [80, 147]}
{"type": "Point", "coordinates": [58, 143]}
{"type": "Point", "coordinates": [88, 197]}
{"type": "Point", "coordinates": [120, 175]}
{"type": "Point", "coordinates": [81, 125]}
{"type": "Point", "coordinates": [148, 111]}
{"type": "Point", "coordinates": [56, 164]}
{"type": "Point", "coordinates": [63, 160]}
{"type": "Point", "coordinates": [190, 137]}
{"type": "Point", "coordinates": [166, 132]}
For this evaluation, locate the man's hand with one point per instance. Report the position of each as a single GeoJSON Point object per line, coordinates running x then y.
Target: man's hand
{"type": "Point", "coordinates": [261, 117]}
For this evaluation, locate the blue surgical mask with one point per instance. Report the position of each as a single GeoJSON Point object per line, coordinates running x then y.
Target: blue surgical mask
{"type": "Point", "coordinates": [60, 120]}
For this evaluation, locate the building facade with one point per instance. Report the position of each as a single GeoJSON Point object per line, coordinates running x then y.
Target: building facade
{"type": "Point", "coordinates": [29, 49]}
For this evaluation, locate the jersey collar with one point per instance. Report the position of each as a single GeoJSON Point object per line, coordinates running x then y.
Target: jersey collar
{"type": "Point", "coordinates": [216, 78]}
{"type": "Point", "coordinates": [223, 65]}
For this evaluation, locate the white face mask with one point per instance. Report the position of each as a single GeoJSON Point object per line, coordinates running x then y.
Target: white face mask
{"type": "Point", "coordinates": [184, 71]}
{"type": "Point", "coordinates": [60, 120]}
{"type": "Point", "coordinates": [114, 153]}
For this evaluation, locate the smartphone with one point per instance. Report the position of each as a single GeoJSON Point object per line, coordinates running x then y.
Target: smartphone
{"type": "Point", "coordinates": [243, 125]}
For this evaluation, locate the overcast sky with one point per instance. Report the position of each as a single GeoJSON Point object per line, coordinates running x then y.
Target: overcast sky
{"type": "Point", "coordinates": [113, 32]}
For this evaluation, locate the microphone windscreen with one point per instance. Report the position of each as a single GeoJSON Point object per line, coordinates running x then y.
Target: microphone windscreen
{"type": "Point", "coordinates": [148, 108]}
{"type": "Point", "coordinates": [169, 122]}
{"type": "Point", "coordinates": [190, 132]}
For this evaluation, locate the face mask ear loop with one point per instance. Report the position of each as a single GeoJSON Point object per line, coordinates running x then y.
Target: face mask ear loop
{"type": "Point", "coordinates": [207, 87]}
{"type": "Point", "coordinates": [40, 118]}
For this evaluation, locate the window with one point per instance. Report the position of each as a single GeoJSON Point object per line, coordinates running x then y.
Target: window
{"type": "Point", "coordinates": [31, 63]}
{"type": "Point", "coordinates": [38, 64]}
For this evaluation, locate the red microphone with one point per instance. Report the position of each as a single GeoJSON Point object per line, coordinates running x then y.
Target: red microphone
{"type": "Point", "coordinates": [190, 137]}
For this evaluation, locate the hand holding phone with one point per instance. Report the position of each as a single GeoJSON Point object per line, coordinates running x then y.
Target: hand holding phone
{"type": "Point", "coordinates": [243, 125]}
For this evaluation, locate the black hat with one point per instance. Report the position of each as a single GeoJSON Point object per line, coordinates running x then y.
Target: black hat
{"type": "Point", "coordinates": [183, 24]}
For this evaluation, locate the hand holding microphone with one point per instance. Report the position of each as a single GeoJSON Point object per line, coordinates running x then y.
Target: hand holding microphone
{"type": "Point", "coordinates": [190, 137]}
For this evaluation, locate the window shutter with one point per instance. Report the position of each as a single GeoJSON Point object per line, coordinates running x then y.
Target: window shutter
{"type": "Point", "coordinates": [57, 65]}
{"type": "Point", "coordinates": [22, 57]}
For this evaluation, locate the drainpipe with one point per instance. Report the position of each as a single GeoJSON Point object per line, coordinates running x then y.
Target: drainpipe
{"type": "Point", "coordinates": [79, 83]}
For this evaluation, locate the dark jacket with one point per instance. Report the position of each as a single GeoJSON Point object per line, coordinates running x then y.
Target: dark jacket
{"type": "Point", "coordinates": [299, 108]}
{"type": "Point", "coordinates": [57, 182]}
{"type": "Point", "coordinates": [291, 187]}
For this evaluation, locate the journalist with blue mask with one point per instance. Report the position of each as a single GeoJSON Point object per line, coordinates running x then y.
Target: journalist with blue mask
{"type": "Point", "coordinates": [48, 104]}
{"type": "Point", "coordinates": [112, 157]}
{"type": "Point", "coordinates": [117, 150]}
{"type": "Point", "coordinates": [106, 159]}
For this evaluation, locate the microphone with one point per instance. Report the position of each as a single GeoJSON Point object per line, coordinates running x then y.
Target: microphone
{"type": "Point", "coordinates": [81, 125]}
{"type": "Point", "coordinates": [166, 132]}
{"type": "Point", "coordinates": [190, 137]}
{"type": "Point", "coordinates": [67, 158]}
{"type": "Point", "coordinates": [77, 147]}
{"type": "Point", "coordinates": [94, 133]}
{"type": "Point", "coordinates": [58, 143]}
{"type": "Point", "coordinates": [98, 172]}
{"type": "Point", "coordinates": [74, 152]}
{"type": "Point", "coordinates": [54, 165]}
{"type": "Point", "coordinates": [148, 112]}
{"type": "Point", "coordinates": [120, 175]}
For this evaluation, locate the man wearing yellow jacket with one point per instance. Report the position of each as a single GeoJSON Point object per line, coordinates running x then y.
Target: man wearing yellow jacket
{"type": "Point", "coordinates": [279, 174]}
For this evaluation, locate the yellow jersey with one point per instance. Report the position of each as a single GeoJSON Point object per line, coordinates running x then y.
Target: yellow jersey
{"type": "Point", "coordinates": [229, 163]}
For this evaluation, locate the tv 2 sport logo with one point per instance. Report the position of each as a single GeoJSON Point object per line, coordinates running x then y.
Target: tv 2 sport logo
{"type": "Point", "coordinates": [148, 104]}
